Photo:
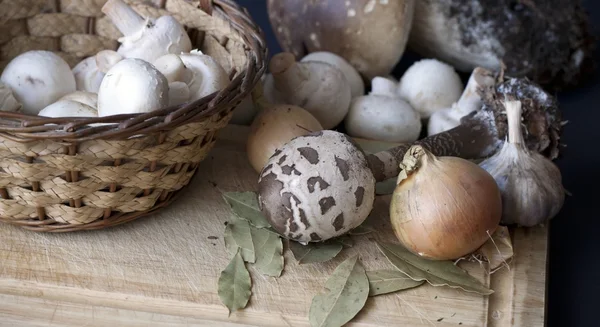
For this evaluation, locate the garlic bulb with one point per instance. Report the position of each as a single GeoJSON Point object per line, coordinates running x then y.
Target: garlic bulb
{"type": "Point", "coordinates": [531, 184]}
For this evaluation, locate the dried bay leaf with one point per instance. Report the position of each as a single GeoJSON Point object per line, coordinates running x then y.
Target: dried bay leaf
{"type": "Point", "coordinates": [234, 285]}
{"type": "Point", "coordinates": [498, 249]}
{"type": "Point", "coordinates": [361, 230]}
{"type": "Point", "coordinates": [245, 206]}
{"type": "Point", "coordinates": [315, 252]}
{"type": "Point", "coordinates": [436, 273]}
{"type": "Point", "coordinates": [237, 233]}
{"type": "Point", "coordinates": [388, 281]}
{"type": "Point", "coordinates": [346, 292]}
{"type": "Point", "coordinates": [269, 252]}
{"type": "Point", "coordinates": [345, 240]}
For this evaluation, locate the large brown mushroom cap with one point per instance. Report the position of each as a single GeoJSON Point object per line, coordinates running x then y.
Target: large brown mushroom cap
{"type": "Point", "coordinates": [316, 187]}
{"type": "Point", "coordinates": [370, 34]}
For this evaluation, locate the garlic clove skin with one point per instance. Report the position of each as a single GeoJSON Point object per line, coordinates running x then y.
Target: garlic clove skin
{"type": "Point", "coordinates": [37, 79]}
{"type": "Point", "coordinates": [87, 75]}
{"type": "Point", "coordinates": [430, 85]}
{"type": "Point", "coordinates": [530, 184]}
{"type": "Point", "coordinates": [357, 86]}
{"type": "Point", "coordinates": [7, 99]}
{"type": "Point", "coordinates": [383, 116]}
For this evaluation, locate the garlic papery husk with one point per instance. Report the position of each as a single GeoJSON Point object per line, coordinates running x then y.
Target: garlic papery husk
{"type": "Point", "coordinates": [531, 184]}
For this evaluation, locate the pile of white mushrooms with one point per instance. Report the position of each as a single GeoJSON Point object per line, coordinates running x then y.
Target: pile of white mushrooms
{"type": "Point", "coordinates": [154, 67]}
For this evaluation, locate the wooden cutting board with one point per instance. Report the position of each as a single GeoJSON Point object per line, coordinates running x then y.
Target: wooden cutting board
{"type": "Point", "coordinates": [162, 270]}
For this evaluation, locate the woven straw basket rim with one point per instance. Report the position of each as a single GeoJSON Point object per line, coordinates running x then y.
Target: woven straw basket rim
{"type": "Point", "coordinates": [61, 175]}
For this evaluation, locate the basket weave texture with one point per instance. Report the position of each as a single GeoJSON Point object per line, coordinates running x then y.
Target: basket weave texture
{"type": "Point", "coordinates": [58, 174]}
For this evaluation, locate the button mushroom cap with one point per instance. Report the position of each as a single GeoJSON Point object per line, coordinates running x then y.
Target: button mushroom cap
{"type": "Point", "coordinates": [207, 75]}
{"type": "Point", "coordinates": [316, 187]}
{"type": "Point", "coordinates": [87, 98]}
{"type": "Point", "coordinates": [357, 86]}
{"type": "Point", "coordinates": [430, 85]}
{"type": "Point", "coordinates": [87, 75]}
{"type": "Point", "coordinates": [146, 39]}
{"type": "Point", "coordinates": [383, 116]}
{"type": "Point", "coordinates": [37, 79]}
{"type": "Point", "coordinates": [318, 87]}
{"type": "Point", "coordinates": [132, 86]}
{"type": "Point", "coordinates": [68, 108]}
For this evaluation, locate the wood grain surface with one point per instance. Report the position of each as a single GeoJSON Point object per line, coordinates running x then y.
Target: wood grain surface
{"type": "Point", "coordinates": [162, 270]}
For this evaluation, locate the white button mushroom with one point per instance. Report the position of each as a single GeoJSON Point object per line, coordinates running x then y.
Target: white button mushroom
{"type": "Point", "coordinates": [90, 71]}
{"type": "Point", "coordinates": [357, 86]}
{"type": "Point", "coordinates": [132, 86]}
{"type": "Point", "coordinates": [470, 100]}
{"type": "Point", "coordinates": [146, 39]}
{"type": "Point", "coordinates": [315, 86]}
{"type": "Point", "coordinates": [87, 98]}
{"type": "Point", "coordinates": [37, 79]}
{"type": "Point", "coordinates": [316, 187]}
{"type": "Point", "coordinates": [383, 115]}
{"type": "Point", "coordinates": [430, 85]}
{"type": "Point", "coordinates": [68, 108]}
{"type": "Point", "coordinates": [179, 93]}
{"type": "Point", "coordinates": [7, 99]}
{"type": "Point", "coordinates": [202, 74]}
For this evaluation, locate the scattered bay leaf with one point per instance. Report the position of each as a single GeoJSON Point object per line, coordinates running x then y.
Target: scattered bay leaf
{"type": "Point", "coordinates": [269, 252]}
{"type": "Point", "coordinates": [498, 249]}
{"type": "Point", "coordinates": [361, 230]}
{"type": "Point", "coordinates": [346, 293]}
{"type": "Point", "coordinates": [245, 206]}
{"type": "Point", "coordinates": [315, 252]}
{"type": "Point", "coordinates": [388, 281]}
{"type": "Point", "coordinates": [436, 273]}
{"type": "Point", "coordinates": [373, 146]}
{"type": "Point", "coordinates": [234, 285]}
{"type": "Point", "coordinates": [237, 233]}
{"type": "Point", "coordinates": [345, 240]}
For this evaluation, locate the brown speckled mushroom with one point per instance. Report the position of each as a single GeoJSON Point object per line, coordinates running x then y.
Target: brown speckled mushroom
{"type": "Point", "coordinates": [370, 34]}
{"type": "Point", "coordinates": [316, 187]}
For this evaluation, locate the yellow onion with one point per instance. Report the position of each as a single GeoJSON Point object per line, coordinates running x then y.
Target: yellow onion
{"type": "Point", "coordinates": [443, 207]}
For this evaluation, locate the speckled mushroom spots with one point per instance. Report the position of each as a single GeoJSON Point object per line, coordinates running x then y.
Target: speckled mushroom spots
{"type": "Point", "coordinates": [316, 187]}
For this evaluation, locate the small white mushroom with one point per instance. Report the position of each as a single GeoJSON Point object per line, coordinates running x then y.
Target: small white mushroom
{"type": "Point", "coordinates": [7, 99]}
{"type": "Point", "coordinates": [132, 86]}
{"type": "Point", "coordinates": [90, 71]}
{"type": "Point", "coordinates": [149, 38]}
{"type": "Point", "coordinates": [87, 98]}
{"type": "Point", "coordinates": [316, 187]}
{"type": "Point", "coordinates": [383, 115]}
{"type": "Point", "coordinates": [318, 87]}
{"type": "Point", "coordinates": [179, 93]}
{"type": "Point", "coordinates": [202, 74]}
{"type": "Point", "coordinates": [68, 108]}
{"type": "Point", "coordinates": [37, 79]}
{"type": "Point", "coordinates": [357, 86]}
{"type": "Point", "coordinates": [271, 94]}
{"type": "Point", "coordinates": [430, 85]}
{"type": "Point", "coordinates": [470, 100]}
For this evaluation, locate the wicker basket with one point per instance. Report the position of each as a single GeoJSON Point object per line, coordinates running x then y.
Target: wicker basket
{"type": "Point", "coordinates": [59, 175]}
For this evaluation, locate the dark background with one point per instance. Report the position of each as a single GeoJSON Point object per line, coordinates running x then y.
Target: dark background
{"type": "Point", "coordinates": [574, 264]}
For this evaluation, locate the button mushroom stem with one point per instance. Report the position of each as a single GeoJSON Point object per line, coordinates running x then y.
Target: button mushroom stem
{"type": "Point", "coordinates": [481, 133]}
{"type": "Point", "coordinates": [124, 17]}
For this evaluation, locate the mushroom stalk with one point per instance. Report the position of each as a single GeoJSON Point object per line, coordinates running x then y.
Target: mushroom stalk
{"type": "Point", "coordinates": [481, 133]}
{"type": "Point", "coordinates": [124, 17]}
